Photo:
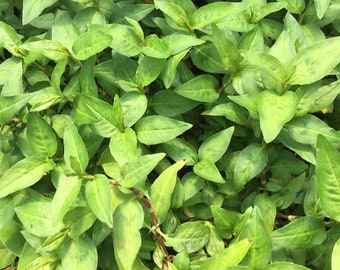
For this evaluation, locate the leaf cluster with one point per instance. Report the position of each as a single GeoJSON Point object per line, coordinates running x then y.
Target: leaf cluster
{"type": "Point", "coordinates": [169, 134]}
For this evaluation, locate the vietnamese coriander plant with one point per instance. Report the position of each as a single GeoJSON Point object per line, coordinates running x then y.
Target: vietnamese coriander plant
{"type": "Point", "coordinates": [169, 134]}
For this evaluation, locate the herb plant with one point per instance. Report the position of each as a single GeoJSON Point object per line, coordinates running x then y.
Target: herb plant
{"type": "Point", "coordinates": [169, 134]}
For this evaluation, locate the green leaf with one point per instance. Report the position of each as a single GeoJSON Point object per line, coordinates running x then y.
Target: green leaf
{"type": "Point", "coordinates": [87, 81]}
{"type": "Point", "coordinates": [305, 130]}
{"type": "Point", "coordinates": [135, 172]}
{"type": "Point", "coordinates": [79, 253]}
{"type": "Point", "coordinates": [294, 6]}
{"type": "Point", "coordinates": [10, 40]}
{"type": "Point", "coordinates": [127, 220]}
{"type": "Point", "coordinates": [98, 196]}
{"type": "Point", "coordinates": [225, 220]}
{"type": "Point", "coordinates": [328, 177]}
{"type": "Point", "coordinates": [321, 7]}
{"type": "Point", "coordinates": [179, 149]}
{"type": "Point", "coordinates": [11, 238]}
{"type": "Point", "coordinates": [90, 110]}
{"type": "Point", "coordinates": [192, 235]}
{"type": "Point", "coordinates": [134, 106]}
{"type": "Point", "coordinates": [32, 9]}
{"type": "Point", "coordinates": [231, 111]}
{"type": "Point", "coordinates": [304, 232]}
{"type": "Point", "coordinates": [148, 70]}
{"type": "Point", "coordinates": [123, 146]}
{"type": "Point", "coordinates": [75, 153]}
{"type": "Point", "coordinates": [314, 62]}
{"type": "Point", "coordinates": [267, 209]}
{"type": "Point", "coordinates": [48, 48]}
{"type": "Point", "coordinates": [251, 161]}
{"type": "Point", "coordinates": [206, 58]}
{"type": "Point", "coordinates": [230, 256]}
{"type": "Point", "coordinates": [156, 129]}
{"type": "Point", "coordinates": [52, 242]}
{"type": "Point", "coordinates": [154, 47]}
{"type": "Point", "coordinates": [261, 246]}
{"type": "Point", "coordinates": [336, 254]}
{"type": "Point", "coordinates": [177, 42]}
{"type": "Point", "coordinates": [11, 72]}
{"type": "Point", "coordinates": [23, 174]}
{"type": "Point", "coordinates": [90, 43]}
{"type": "Point", "coordinates": [37, 218]}
{"type": "Point", "coordinates": [78, 220]}
{"type": "Point", "coordinates": [124, 69]}
{"type": "Point", "coordinates": [175, 12]}
{"type": "Point", "coordinates": [212, 12]}
{"type": "Point", "coordinates": [284, 266]}
{"type": "Point", "coordinates": [162, 188]}
{"type": "Point", "coordinates": [252, 40]}
{"type": "Point", "coordinates": [230, 56]}
{"type": "Point", "coordinates": [10, 105]}
{"type": "Point", "coordinates": [67, 190]}
{"type": "Point", "coordinates": [201, 88]}
{"type": "Point", "coordinates": [208, 170]}
{"type": "Point", "coordinates": [6, 211]}
{"type": "Point", "coordinates": [168, 103]}
{"type": "Point", "coordinates": [40, 136]}
{"type": "Point", "coordinates": [275, 111]}
{"type": "Point", "coordinates": [214, 147]}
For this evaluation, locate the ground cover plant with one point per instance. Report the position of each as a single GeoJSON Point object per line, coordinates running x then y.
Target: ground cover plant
{"type": "Point", "coordinates": [169, 134]}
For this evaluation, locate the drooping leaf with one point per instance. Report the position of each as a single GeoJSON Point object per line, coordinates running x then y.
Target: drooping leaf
{"type": "Point", "coordinates": [40, 136]}
{"type": "Point", "coordinates": [251, 161]}
{"type": "Point", "coordinates": [10, 105]}
{"type": "Point", "coordinates": [90, 43]}
{"type": "Point", "coordinates": [127, 220]}
{"type": "Point", "coordinates": [201, 88]}
{"type": "Point", "coordinates": [275, 111]}
{"type": "Point", "coordinates": [314, 62]}
{"type": "Point", "coordinates": [23, 174]}
{"type": "Point", "coordinates": [190, 235]}
{"type": "Point", "coordinates": [75, 153]}
{"type": "Point", "coordinates": [79, 253]}
{"type": "Point", "coordinates": [215, 146]}
{"type": "Point", "coordinates": [67, 190]}
{"type": "Point", "coordinates": [98, 196]}
{"type": "Point", "coordinates": [304, 232]}
{"type": "Point", "coordinates": [162, 188]}
{"type": "Point", "coordinates": [157, 129]}
{"type": "Point", "coordinates": [328, 177]}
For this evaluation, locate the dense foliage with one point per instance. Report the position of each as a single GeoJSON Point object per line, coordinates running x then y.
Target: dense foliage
{"type": "Point", "coordinates": [169, 134]}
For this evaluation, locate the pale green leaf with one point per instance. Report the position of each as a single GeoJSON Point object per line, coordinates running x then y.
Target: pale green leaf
{"type": "Point", "coordinates": [201, 88]}
{"type": "Point", "coordinates": [23, 174]}
{"type": "Point", "coordinates": [208, 170]}
{"type": "Point", "coordinates": [37, 218]}
{"type": "Point", "coordinates": [32, 9]}
{"type": "Point", "coordinates": [75, 153]}
{"type": "Point", "coordinates": [314, 62]}
{"type": "Point", "coordinates": [40, 136]}
{"type": "Point", "coordinates": [98, 196]}
{"type": "Point", "coordinates": [162, 188]}
{"type": "Point", "coordinates": [154, 47]}
{"type": "Point", "coordinates": [275, 111]}
{"type": "Point", "coordinates": [179, 149]}
{"type": "Point", "coordinates": [123, 146]}
{"type": "Point", "coordinates": [156, 129]}
{"type": "Point", "coordinates": [328, 177]}
{"type": "Point", "coordinates": [284, 266]}
{"type": "Point", "coordinates": [214, 147]}
{"type": "Point", "coordinates": [90, 43]}
{"type": "Point", "coordinates": [336, 255]}
{"type": "Point", "coordinates": [230, 256]}
{"type": "Point", "coordinates": [177, 42]}
{"type": "Point", "coordinates": [10, 39]}
{"type": "Point", "coordinates": [134, 106]}
{"type": "Point", "coordinates": [48, 48]}
{"type": "Point", "coordinates": [321, 7]}
{"type": "Point", "coordinates": [67, 190]}
{"type": "Point", "coordinates": [294, 6]}
{"type": "Point", "coordinates": [79, 253]}
{"type": "Point", "coordinates": [304, 232]}
{"type": "Point", "coordinates": [251, 161]}
{"type": "Point", "coordinates": [148, 70]}
{"type": "Point", "coordinates": [10, 105]}
{"type": "Point", "coordinates": [127, 220]}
